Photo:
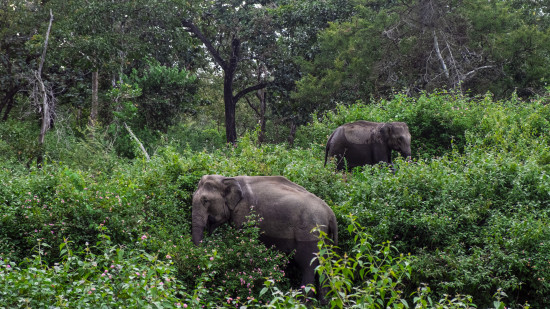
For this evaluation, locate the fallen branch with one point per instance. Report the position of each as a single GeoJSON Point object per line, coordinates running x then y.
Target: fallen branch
{"type": "Point", "coordinates": [441, 60]}
{"type": "Point", "coordinates": [137, 141]}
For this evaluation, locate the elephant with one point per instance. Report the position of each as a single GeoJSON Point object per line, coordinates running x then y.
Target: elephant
{"type": "Point", "coordinates": [365, 142]}
{"type": "Point", "coordinates": [288, 214]}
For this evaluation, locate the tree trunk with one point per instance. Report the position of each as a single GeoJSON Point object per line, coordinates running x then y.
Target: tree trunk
{"type": "Point", "coordinates": [261, 95]}
{"type": "Point", "coordinates": [95, 98]}
{"type": "Point", "coordinates": [229, 68]}
{"type": "Point", "coordinates": [230, 128]}
{"type": "Point", "coordinates": [292, 133]}
{"type": "Point", "coordinates": [42, 95]}
{"type": "Point", "coordinates": [8, 101]}
{"type": "Point", "coordinates": [45, 123]}
{"type": "Point", "coordinates": [440, 57]}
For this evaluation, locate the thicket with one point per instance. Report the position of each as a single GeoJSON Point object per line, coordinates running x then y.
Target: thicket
{"type": "Point", "coordinates": [468, 216]}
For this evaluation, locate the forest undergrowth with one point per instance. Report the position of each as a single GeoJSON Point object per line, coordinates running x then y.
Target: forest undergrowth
{"type": "Point", "coordinates": [465, 222]}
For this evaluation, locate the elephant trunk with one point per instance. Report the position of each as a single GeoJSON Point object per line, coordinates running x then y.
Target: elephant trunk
{"type": "Point", "coordinates": [198, 224]}
{"type": "Point", "coordinates": [197, 233]}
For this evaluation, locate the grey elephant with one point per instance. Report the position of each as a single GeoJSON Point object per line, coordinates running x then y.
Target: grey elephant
{"type": "Point", "coordinates": [364, 142]}
{"type": "Point", "coordinates": [288, 211]}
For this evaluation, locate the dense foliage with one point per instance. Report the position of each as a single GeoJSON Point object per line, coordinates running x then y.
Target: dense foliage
{"type": "Point", "coordinates": [302, 56]}
{"type": "Point", "coordinates": [140, 98]}
{"type": "Point", "coordinates": [468, 216]}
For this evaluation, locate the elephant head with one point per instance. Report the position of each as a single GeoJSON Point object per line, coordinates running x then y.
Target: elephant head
{"type": "Point", "coordinates": [213, 204]}
{"type": "Point", "coordinates": [397, 136]}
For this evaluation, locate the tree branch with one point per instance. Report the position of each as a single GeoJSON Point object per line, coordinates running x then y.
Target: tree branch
{"type": "Point", "coordinates": [477, 69]}
{"type": "Point", "coordinates": [253, 107]}
{"type": "Point", "coordinates": [243, 92]}
{"type": "Point", "coordinates": [43, 58]}
{"type": "Point", "coordinates": [191, 27]}
{"type": "Point", "coordinates": [441, 60]}
{"type": "Point", "coordinates": [137, 141]}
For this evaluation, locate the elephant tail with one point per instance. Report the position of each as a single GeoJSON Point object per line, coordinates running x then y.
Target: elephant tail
{"type": "Point", "coordinates": [333, 231]}
{"type": "Point", "coordinates": [326, 155]}
{"type": "Point", "coordinates": [327, 147]}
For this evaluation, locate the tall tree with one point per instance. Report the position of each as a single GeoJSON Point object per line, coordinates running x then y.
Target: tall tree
{"type": "Point", "coordinates": [17, 26]}
{"type": "Point", "coordinates": [103, 40]}
{"type": "Point", "coordinates": [300, 22]}
{"type": "Point", "coordinates": [244, 37]}
{"type": "Point", "coordinates": [230, 30]}
{"type": "Point", "coordinates": [516, 36]}
{"type": "Point", "coordinates": [429, 44]}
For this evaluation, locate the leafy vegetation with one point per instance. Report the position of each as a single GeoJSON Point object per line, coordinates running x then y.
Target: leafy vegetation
{"type": "Point", "coordinates": [468, 216]}
{"type": "Point", "coordinates": [140, 98]}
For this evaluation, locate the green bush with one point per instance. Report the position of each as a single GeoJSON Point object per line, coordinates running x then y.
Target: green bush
{"type": "Point", "coordinates": [19, 141]}
{"type": "Point", "coordinates": [472, 207]}
{"type": "Point", "coordinates": [239, 264]}
{"type": "Point", "coordinates": [368, 276]}
{"type": "Point", "coordinates": [116, 277]}
{"type": "Point", "coordinates": [441, 122]}
{"type": "Point", "coordinates": [461, 216]}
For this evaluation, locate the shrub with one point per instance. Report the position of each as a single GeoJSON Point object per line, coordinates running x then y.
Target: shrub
{"type": "Point", "coordinates": [472, 208]}
{"type": "Point", "coordinates": [462, 217]}
{"type": "Point", "coordinates": [114, 278]}
{"type": "Point", "coordinates": [239, 264]}
{"type": "Point", "coordinates": [165, 93]}
{"type": "Point", "coordinates": [368, 276]}
{"type": "Point", "coordinates": [19, 141]}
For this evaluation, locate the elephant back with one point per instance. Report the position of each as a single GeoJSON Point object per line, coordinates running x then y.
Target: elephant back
{"type": "Point", "coordinates": [362, 132]}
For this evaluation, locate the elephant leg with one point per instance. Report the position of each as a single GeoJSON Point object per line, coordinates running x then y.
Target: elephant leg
{"type": "Point", "coordinates": [305, 252]}
{"type": "Point", "coordinates": [303, 256]}
{"type": "Point", "coordinates": [342, 161]}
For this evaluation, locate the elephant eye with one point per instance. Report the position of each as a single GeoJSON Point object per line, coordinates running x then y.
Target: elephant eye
{"type": "Point", "coordinates": [204, 200]}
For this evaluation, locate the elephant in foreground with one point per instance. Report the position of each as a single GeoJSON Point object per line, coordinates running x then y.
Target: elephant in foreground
{"type": "Point", "coordinates": [288, 211]}
{"type": "Point", "coordinates": [364, 142]}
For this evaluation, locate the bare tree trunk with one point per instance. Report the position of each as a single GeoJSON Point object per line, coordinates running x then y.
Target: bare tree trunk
{"type": "Point", "coordinates": [95, 98]}
{"type": "Point", "coordinates": [45, 125]}
{"type": "Point", "coordinates": [43, 97]}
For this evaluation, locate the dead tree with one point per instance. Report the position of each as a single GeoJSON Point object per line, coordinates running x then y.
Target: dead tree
{"type": "Point", "coordinates": [43, 98]}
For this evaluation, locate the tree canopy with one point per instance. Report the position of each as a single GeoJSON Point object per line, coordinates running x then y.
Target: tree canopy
{"type": "Point", "coordinates": [274, 62]}
{"type": "Point", "coordinates": [473, 46]}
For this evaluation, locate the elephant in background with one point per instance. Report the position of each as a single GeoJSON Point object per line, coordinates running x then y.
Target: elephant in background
{"type": "Point", "coordinates": [364, 142]}
{"type": "Point", "coordinates": [288, 211]}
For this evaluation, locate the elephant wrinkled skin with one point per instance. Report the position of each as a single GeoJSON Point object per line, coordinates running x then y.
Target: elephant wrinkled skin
{"type": "Point", "coordinates": [288, 211]}
{"type": "Point", "coordinates": [363, 142]}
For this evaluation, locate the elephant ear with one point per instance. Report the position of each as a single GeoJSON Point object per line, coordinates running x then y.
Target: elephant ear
{"type": "Point", "coordinates": [386, 131]}
{"type": "Point", "coordinates": [232, 192]}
